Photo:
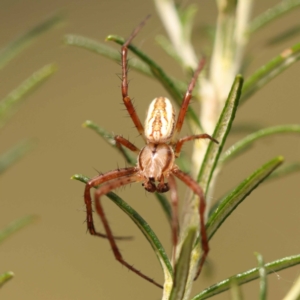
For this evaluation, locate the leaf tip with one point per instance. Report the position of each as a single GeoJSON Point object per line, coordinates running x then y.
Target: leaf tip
{"type": "Point", "coordinates": [109, 38]}
{"type": "Point", "coordinates": [87, 124]}
{"type": "Point", "coordinates": [239, 77]}
{"type": "Point", "coordinates": [74, 177]}
{"type": "Point", "coordinates": [11, 274]}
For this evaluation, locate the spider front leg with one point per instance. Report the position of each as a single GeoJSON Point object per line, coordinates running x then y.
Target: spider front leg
{"type": "Point", "coordinates": [193, 185]}
{"type": "Point", "coordinates": [180, 143]}
{"type": "Point", "coordinates": [186, 101]}
{"type": "Point", "coordinates": [126, 99]}
{"type": "Point", "coordinates": [88, 200]}
{"type": "Point", "coordinates": [104, 189]}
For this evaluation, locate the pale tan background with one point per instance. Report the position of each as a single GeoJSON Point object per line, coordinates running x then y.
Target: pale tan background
{"type": "Point", "coordinates": [54, 258]}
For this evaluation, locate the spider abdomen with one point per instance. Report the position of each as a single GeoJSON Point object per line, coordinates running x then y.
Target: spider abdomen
{"type": "Point", "coordinates": [156, 160]}
{"type": "Point", "coordinates": [160, 120]}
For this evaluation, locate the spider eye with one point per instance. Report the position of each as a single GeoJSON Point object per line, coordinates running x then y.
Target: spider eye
{"type": "Point", "coordinates": [160, 121]}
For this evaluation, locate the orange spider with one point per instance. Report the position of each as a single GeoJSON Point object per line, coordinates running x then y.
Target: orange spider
{"type": "Point", "coordinates": [155, 167]}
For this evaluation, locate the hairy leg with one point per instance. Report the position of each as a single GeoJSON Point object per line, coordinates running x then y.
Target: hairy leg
{"type": "Point", "coordinates": [88, 200]}
{"type": "Point", "coordinates": [181, 141]}
{"type": "Point", "coordinates": [186, 100]}
{"type": "Point", "coordinates": [120, 141]}
{"type": "Point", "coordinates": [126, 99]}
{"type": "Point", "coordinates": [104, 189]}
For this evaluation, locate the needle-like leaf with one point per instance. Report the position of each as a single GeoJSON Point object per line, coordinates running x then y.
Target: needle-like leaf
{"type": "Point", "coordinates": [5, 277]}
{"type": "Point", "coordinates": [183, 266]}
{"type": "Point", "coordinates": [272, 14]}
{"type": "Point", "coordinates": [270, 70]}
{"type": "Point", "coordinates": [14, 154]}
{"type": "Point", "coordinates": [234, 198]}
{"type": "Point", "coordinates": [9, 103]}
{"type": "Point", "coordinates": [15, 226]}
{"type": "Point", "coordinates": [248, 276]}
{"type": "Point", "coordinates": [106, 51]}
{"type": "Point", "coordinates": [246, 142]}
{"type": "Point", "coordinates": [220, 134]}
{"type": "Point", "coordinates": [263, 277]}
{"type": "Point", "coordinates": [109, 52]}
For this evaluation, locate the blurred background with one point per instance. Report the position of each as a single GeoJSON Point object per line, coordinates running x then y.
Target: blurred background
{"type": "Point", "coordinates": [55, 258]}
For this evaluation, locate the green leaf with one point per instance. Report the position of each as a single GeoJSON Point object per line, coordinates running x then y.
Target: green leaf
{"type": "Point", "coordinates": [113, 54]}
{"type": "Point", "coordinates": [183, 266]}
{"type": "Point", "coordinates": [248, 276]}
{"type": "Point", "coordinates": [5, 277]}
{"type": "Point", "coordinates": [234, 198]}
{"type": "Point", "coordinates": [220, 134]}
{"type": "Point", "coordinates": [106, 51]}
{"type": "Point", "coordinates": [263, 277]}
{"type": "Point", "coordinates": [246, 142]}
{"type": "Point", "coordinates": [14, 154]}
{"type": "Point", "coordinates": [270, 70]}
{"type": "Point", "coordinates": [272, 14]}
{"type": "Point", "coordinates": [145, 229]}
{"type": "Point", "coordinates": [15, 47]}
{"type": "Point", "coordinates": [15, 226]}
{"type": "Point", "coordinates": [8, 104]}
{"type": "Point", "coordinates": [161, 76]}
{"type": "Point", "coordinates": [109, 138]}
{"type": "Point", "coordinates": [282, 170]}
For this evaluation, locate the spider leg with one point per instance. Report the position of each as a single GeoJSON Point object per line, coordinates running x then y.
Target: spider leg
{"type": "Point", "coordinates": [104, 189]}
{"type": "Point", "coordinates": [181, 141]}
{"type": "Point", "coordinates": [88, 200]}
{"type": "Point", "coordinates": [186, 100]}
{"type": "Point", "coordinates": [174, 202]}
{"type": "Point", "coordinates": [120, 141]}
{"type": "Point", "coordinates": [126, 99]}
{"type": "Point", "coordinates": [193, 185]}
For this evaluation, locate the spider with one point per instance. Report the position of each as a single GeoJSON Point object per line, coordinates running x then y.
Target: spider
{"type": "Point", "coordinates": [156, 168]}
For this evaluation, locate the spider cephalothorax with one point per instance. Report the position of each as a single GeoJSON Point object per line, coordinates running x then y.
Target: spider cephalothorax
{"type": "Point", "coordinates": [156, 166]}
